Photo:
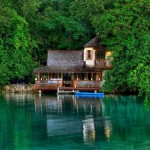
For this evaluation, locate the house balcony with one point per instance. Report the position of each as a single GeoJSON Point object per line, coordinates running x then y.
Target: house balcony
{"type": "Point", "coordinates": [104, 64]}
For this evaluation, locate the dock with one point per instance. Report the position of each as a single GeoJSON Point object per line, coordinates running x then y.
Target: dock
{"type": "Point", "coordinates": [65, 91]}
{"type": "Point", "coordinates": [72, 90]}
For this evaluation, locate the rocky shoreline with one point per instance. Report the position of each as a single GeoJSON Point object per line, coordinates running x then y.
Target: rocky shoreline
{"type": "Point", "coordinates": [19, 88]}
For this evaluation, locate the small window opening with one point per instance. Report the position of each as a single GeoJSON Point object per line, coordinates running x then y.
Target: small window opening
{"type": "Point", "coordinates": [89, 55]}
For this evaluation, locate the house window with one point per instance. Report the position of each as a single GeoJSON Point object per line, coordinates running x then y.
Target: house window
{"type": "Point", "coordinates": [100, 55]}
{"type": "Point", "coordinates": [89, 76]}
{"type": "Point", "coordinates": [55, 75]}
{"type": "Point", "coordinates": [89, 55]}
{"type": "Point", "coordinates": [81, 76]}
{"type": "Point", "coordinates": [94, 76]}
{"type": "Point", "coordinates": [45, 76]}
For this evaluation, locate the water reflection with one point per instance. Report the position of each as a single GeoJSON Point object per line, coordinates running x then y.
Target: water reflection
{"type": "Point", "coordinates": [108, 128]}
{"type": "Point", "coordinates": [88, 129]}
{"type": "Point", "coordinates": [56, 103]}
{"type": "Point", "coordinates": [111, 122]}
{"type": "Point", "coordinates": [65, 114]}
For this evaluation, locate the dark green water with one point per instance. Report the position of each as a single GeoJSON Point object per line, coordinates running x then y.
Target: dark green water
{"type": "Point", "coordinates": [34, 122]}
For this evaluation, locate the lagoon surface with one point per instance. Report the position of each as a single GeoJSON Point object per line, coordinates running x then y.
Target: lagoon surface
{"type": "Point", "coordinates": [51, 122]}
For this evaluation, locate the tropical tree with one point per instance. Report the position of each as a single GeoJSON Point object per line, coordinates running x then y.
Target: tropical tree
{"type": "Point", "coordinates": [140, 78]}
{"type": "Point", "coordinates": [125, 29]}
{"type": "Point", "coordinates": [58, 29]}
{"type": "Point", "coordinates": [15, 56]}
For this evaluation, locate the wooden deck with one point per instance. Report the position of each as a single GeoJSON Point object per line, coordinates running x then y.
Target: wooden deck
{"type": "Point", "coordinates": [67, 89]}
{"type": "Point", "coordinates": [74, 86]}
{"type": "Point", "coordinates": [79, 88]}
{"type": "Point", "coordinates": [66, 92]}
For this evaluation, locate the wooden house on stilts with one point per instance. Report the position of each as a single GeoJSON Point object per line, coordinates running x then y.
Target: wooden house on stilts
{"type": "Point", "coordinates": [81, 70]}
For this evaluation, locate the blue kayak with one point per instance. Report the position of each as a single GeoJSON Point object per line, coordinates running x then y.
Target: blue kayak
{"type": "Point", "coordinates": [89, 94]}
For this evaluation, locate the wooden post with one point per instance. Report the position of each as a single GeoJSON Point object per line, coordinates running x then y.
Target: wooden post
{"type": "Point", "coordinates": [57, 89]}
{"type": "Point", "coordinates": [38, 76]}
{"type": "Point", "coordinates": [100, 76]}
{"type": "Point", "coordinates": [47, 76]}
{"type": "Point", "coordinates": [62, 75]}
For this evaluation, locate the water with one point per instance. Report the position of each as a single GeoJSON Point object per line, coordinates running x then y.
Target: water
{"type": "Point", "coordinates": [49, 122]}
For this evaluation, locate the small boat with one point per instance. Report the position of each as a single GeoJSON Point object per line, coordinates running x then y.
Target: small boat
{"type": "Point", "coordinates": [89, 94]}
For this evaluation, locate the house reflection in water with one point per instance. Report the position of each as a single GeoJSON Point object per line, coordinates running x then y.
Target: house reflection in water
{"type": "Point", "coordinates": [108, 128]}
{"type": "Point", "coordinates": [79, 115]}
{"type": "Point", "coordinates": [69, 115]}
{"type": "Point", "coordinates": [88, 129]}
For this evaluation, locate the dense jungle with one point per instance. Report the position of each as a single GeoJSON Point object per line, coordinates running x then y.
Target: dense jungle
{"type": "Point", "coordinates": [28, 28]}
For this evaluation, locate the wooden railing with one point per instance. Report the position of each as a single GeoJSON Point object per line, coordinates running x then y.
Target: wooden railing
{"type": "Point", "coordinates": [54, 82]}
{"type": "Point", "coordinates": [103, 63]}
{"type": "Point", "coordinates": [76, 84]}
{"type": "Point", "coordinates": [47, 84]}
{"type": "Point", "coordinates": [86, 84]}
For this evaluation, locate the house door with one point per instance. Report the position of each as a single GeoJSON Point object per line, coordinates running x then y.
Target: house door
{"type": "Point", "coordinates": [67, 79]}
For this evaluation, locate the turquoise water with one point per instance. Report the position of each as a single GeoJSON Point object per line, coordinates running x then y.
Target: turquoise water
{"type": "Point", "coordinates": [49, 122]}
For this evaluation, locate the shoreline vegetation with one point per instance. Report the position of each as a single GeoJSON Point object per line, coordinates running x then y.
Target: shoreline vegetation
{"type": "Point", "coordinates": [29, 88]}
{"type": "Point", "coordinates": [29, 28]}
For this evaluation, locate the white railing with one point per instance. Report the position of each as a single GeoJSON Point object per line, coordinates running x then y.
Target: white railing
{"type": "Point", "coordinates": [49, 82]}
{"type": "Point", "coordinates": [103, 63]}
{"type": "Point", "coordinates": [86, 83]}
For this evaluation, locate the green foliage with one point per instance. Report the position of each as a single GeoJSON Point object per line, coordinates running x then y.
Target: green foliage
{"type": "Point", "coordinates": [58, 29]}
{"type": "Point", "coordinates": [29, 28]}
{"type": "Point", "coordinates": [140, 77]}
{"type": "Point", "coordinates": [147, 103]}
{"type": "Point", "coordinates": [85, 10]}
{"type": "Point", "coordinates": [15, 58]}
{"type": "Point", "coordinates": [125, 30]}
{"type": "Point", "coordinates": [55, 23]}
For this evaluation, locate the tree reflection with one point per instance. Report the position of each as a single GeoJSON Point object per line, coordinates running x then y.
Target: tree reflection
{"type": "Point", "coordinates": [147, 102]}
{"type": "Point", "coordinates": [67, 118]}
